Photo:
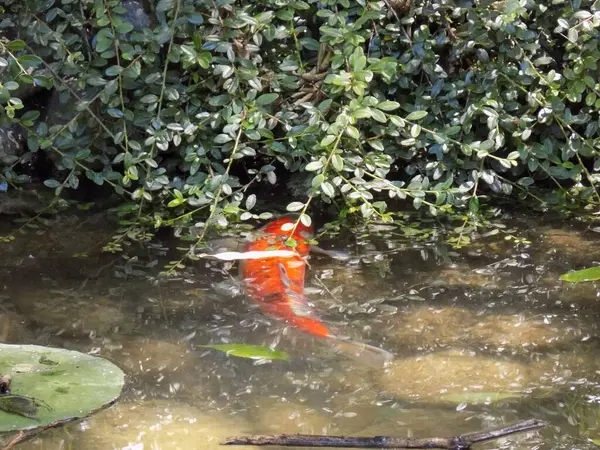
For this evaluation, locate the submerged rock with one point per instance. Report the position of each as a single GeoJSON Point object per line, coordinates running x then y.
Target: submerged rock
{"type": "Point", "coordinates": [464, 277]}
{"type": "Point", "coordinates": [586, 294]}
{"type": "Point", "coordinates": [157, 424]}
{"type": "Point", "coordinates": [456, 377]}
{"type": "Point", "coordinates": [22, 202]}
{"type": "Point", "coordinates": [440, 375]}
{"type": "Point", "coordinates": [576, 245]}
{"type": "Point", "coordinates": [144, 355]}
{"type": "Point", "coordinates": [281, 416]}
{"type": "Point", "coordinates": [517, 332]}
{"type": "Point", "coordinates": [429, 328]}
{"type": "Point", "coordinates": [74, 314]}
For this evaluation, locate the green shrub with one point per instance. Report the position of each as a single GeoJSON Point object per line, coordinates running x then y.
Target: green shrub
{"type": "Point", "coordinates": [189, 108]}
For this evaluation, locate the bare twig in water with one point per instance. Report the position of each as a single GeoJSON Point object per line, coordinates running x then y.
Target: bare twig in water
{"type": "Point", "coordinates": [463, 442]}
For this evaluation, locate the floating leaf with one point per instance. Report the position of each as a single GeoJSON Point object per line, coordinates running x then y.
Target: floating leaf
{"type": "Point", "coordinates": [54, 385]}
{"type": "Point", "coordinates": [579, 276]}
{"type": "Point", "coordinates": [249, 351]}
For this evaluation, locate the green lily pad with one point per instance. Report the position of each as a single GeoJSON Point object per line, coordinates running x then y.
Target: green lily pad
{"type": "Point", "coordinates": [52, 385]}
{"type": "Point", "coordinates": [249, 351]}
{"type": "Point", "coordinates": [589, 274]}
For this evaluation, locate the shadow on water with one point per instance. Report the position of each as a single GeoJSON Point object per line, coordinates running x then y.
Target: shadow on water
{"type": "Point", "coordinates": [483, 337]}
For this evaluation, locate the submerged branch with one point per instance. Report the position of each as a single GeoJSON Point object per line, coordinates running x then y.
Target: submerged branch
{"type": "Point", "coordinates": [463, 442]}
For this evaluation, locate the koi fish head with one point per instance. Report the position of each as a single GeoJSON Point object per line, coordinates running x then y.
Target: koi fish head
{"type": "Point", "coordinates": [281, 228]}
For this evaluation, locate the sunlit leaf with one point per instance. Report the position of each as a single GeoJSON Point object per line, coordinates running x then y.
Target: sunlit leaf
{"type": "Point", "coordinates": [249, 351]}
{"type": "Point", "coordinates": [416, 115]}
{"type": "Point", "coordinates": [589, 274]}
{"type": "Point", "coordinates": [295, 206]}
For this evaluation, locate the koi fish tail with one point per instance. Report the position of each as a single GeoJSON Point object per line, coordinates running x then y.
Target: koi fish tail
{"type": "Point", "coordinates": [363, 353]}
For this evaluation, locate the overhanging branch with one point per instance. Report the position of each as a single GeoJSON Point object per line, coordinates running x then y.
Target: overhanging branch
{"type": "Point", "coordinates": [462, 442]}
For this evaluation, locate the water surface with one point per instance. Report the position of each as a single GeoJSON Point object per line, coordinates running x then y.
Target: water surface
{"type": "Point", "coordinates": [483, 337]}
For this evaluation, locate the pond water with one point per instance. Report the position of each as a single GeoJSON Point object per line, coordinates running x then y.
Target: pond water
{"type": "Point", "coordinates": [482, 337]}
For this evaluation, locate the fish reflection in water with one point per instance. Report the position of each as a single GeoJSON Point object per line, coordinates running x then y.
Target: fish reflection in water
{"type": "Point", "coordinates": [277, 286]}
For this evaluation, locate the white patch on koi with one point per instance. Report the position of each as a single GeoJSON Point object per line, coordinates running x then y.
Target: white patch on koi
{"type": "Point", "coordinates": [255, 254]}
{"type": "Point", "coordinates": [296, 264]}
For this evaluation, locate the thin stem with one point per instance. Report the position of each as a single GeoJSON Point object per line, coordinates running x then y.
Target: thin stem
{"type": "Point", "coordinates": [213, 207]}
{"type": "Point", "coordinates": [311, 196]}
{"type": "Point", "coordinates": [120, 80]}
{"type": "Point", "coordinates": [160, 99]}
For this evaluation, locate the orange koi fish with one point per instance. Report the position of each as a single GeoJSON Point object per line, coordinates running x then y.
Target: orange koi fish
{"type": "Point", "coordinates": [276, 284]}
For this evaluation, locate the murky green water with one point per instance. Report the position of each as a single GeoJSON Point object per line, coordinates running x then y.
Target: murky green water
{"type": "Point", "coordinates": [482, 337]}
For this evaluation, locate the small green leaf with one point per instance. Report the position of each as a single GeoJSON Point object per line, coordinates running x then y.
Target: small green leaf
{"type": "Point", "coordinates": [313, 165]}
{"type": "Point", "coordinates": [30, 115]}
{"type": "Point", "coordinates": [171, 93]}
{"type": "Point", "coordinates": [415, 130]}
{"type": "Point", "coordinates": [416, 115]}
{"type": "Point", "coordinates": [114, 112]}
{"type": "Point", "coordinates": [589, 274]}
{"type": "Point", "coordinates": [103, 44]}
{"type": "Point", "coordinates": [250, 202]}
{"type": "Point", "coordinates": [96, 81]}
{"type": "Point", "coordinates": [388, 105]}
{"type": "Point", "coordinates": [249, 351]}
{"type": "Point", "coordinates": [378, 115]}
{"type": "Point", "coordinates": [51, 183]}
{"type": "Point", "coordinates": [16, 45]}
{"type": "Point", "coordinates": [474, 205]}
{"type": "Point", "coordinates": [28, 61]}
{"type": "Point", "coordinates": [123, 27]}
{"type": "Point", "coordinates": [113, 71]}
{"type": "Point", "coordinates": [328, 189]}
{"type": "Point", "coordinates": [353, 132]}
{"type": "Point", "coordinates": [317, 181]}
{"type": "Point", "coordinates": [42, 81]}
{"type": "Point", "coordinates": [11, 85]}
{"type": "Point", "coordinates": [338, 162]}
{"type": "Point", "coordinates": [149, 98]}
{"type": "Point", "coordinates": [266, 99]}
{"type": "Point", "coordinates": [327, 140]}
{"type": "Point", "coordinates": [222, 138]}
{"type": "Point", "coordinates": [295, 206]}
{"type": "Point", "coordinates": [220, 100]}
{"type": "Point", "coordinates": [361, 113]}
